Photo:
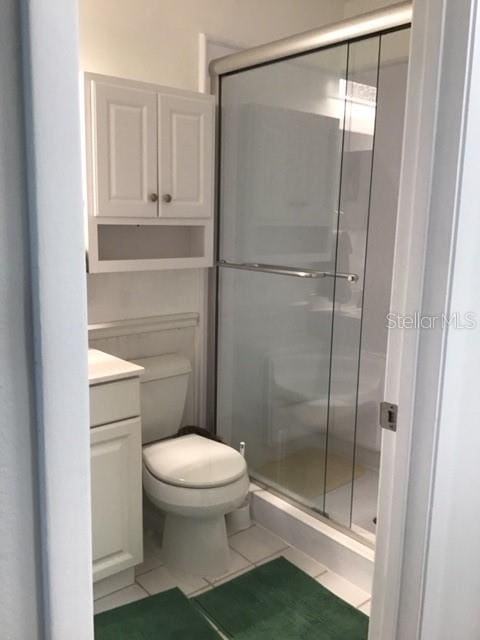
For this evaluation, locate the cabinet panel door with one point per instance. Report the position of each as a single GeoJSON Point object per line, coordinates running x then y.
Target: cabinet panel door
{"type": "Point", "coordinates": [124, 151]}
{"type": "Point", "coordinates": [186, 156]}
{"type": "Point", "coordinates": [116, 472]}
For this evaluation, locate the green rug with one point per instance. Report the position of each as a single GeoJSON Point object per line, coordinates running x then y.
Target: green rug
{"type": "Point", "coordinates": [277, 601]}
{"type": "Point", "coordinates": [167, 616]}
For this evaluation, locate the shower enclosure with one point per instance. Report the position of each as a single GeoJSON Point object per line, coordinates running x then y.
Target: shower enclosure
{"type": "Point", "coordinates": [309, 163]}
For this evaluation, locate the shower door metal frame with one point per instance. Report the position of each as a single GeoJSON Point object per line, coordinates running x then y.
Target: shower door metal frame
{"type": "Point", "coordinates": [369, 25]}
{"type": "Point", "coordinates": [374, 23]}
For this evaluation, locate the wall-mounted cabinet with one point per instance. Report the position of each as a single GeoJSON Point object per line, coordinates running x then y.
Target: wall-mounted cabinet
{"type": "Point", "coordinates": [150, 159]}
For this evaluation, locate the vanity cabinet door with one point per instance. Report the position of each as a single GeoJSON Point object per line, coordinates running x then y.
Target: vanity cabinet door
{"type": "Point", "coordinates": [116, 476]}
{"type": "Point", "coordinates": [124, 153]}
{"type": "Point", "coordinates": [186, 136]}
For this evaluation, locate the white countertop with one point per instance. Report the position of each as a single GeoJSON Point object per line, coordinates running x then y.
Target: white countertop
{"type": "Point", "coordinates": [103, 367]}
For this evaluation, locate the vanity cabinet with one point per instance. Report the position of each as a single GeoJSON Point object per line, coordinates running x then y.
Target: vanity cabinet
{"type": "Point", "coordinates": [116, 464]}
{"type": "Point", "coordinates": [150, 169]}
{"type": "Point", "coordinates": [116, 500]}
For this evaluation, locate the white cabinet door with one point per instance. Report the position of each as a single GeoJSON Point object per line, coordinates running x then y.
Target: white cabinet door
{"type": "Point", "coordinates": [116, 471]}
{"type": "Point", "coordinates": [125, 164]}
{"type": "Point", "coordinates": [186, 156]}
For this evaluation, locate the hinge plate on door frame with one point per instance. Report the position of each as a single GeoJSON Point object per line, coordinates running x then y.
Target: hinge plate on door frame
{"type": "Point", "coordinates": [388, 416]}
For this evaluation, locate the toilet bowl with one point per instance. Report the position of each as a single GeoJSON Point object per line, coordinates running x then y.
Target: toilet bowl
{"type": "Point", "coordinates": [193, 480]}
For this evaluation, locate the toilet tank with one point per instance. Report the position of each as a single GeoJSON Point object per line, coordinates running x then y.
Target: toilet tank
{"type": "Point", "coordinates": [163, 391]}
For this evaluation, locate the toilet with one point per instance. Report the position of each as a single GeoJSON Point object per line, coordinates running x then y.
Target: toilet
{"type": "Point", "coordinates": [195, 481]}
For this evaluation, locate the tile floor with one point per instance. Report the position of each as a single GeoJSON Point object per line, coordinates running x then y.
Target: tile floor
{"type": "Point", "coordinates": [250, 548]}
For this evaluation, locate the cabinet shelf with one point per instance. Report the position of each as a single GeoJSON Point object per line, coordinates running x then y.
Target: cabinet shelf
{"type": "Point", "coordinates": [131, 245]}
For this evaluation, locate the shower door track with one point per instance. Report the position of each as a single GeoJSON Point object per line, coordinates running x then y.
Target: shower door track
{"type": "Point", "coordinates": [397, 16]}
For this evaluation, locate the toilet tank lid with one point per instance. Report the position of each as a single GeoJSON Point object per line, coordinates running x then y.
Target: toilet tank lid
{"type": "Point", "coordinates": [164, 366]}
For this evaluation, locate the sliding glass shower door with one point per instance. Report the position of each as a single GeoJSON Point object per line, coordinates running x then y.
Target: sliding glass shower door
{"type": "Point", "coordinates": [295, 176]}
{"type": "Point", "coordinates": [281, 156]}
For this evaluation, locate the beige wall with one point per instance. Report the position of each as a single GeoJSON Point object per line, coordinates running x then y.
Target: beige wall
{"type": "Point", "coordinates": [157, 40]}
{"type": "Point", "coordinates": [356, 7]}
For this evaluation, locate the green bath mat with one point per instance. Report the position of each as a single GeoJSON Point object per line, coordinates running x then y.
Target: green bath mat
{"type": "Point", "coordinates": [277, 601]}
{"type": "Point", "coordinates": [167, 616]}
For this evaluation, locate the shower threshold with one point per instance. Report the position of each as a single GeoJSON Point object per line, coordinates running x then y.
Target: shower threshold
{"type": "Point", "coordinates": [313, 508]}
{"type": "Point", "coordinates": [343, 550]}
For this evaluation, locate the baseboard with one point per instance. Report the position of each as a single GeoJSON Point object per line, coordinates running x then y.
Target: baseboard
{"type": "Point", "coordinates": [113, 583]}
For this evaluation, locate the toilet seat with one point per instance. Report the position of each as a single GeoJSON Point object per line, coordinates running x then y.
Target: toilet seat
{"type": "Point", "coordinates": [193, 462]}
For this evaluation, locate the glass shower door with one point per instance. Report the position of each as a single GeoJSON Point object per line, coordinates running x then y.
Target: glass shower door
{"type": "Point", "coordinates": [353, 227]}
{"type": "Point", "coordinates": [282, 129]}
{"type": "Point", "coordinates": [301, 339]}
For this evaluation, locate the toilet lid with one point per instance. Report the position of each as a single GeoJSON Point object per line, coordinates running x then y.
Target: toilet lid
{"type": "Point", "coordinates": [194, 461]}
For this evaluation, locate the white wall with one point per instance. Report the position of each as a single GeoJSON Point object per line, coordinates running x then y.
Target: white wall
{"type": "Point", "coordinates": [157, 41]}
{"type": "Point", "coordinates": [118, 296]}
{"type": "Point", "coordinates": [19, 598]}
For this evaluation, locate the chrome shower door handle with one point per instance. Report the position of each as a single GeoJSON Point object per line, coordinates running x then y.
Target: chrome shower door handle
{"type": "Point", "coordinates": [277, 269]}
{"type": "Point", "coordinates": [351, 277]}
{"type": "Point", "coordinates": [285, 270]}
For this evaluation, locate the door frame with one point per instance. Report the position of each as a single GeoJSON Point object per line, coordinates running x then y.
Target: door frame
{"type": "Point", "coordinates": [406, 297]}
{"type": "Point", "coordinates": [51, 94]}
{"type": "Point", "coordinates": [442, 41]}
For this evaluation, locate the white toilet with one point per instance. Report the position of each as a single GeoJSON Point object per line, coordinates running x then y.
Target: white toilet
{"type": "Point", "coordinates": [193, 480]}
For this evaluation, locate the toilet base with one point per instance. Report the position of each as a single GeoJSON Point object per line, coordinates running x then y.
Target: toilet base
{"type": "Point", "coordinates": [197, 546]}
